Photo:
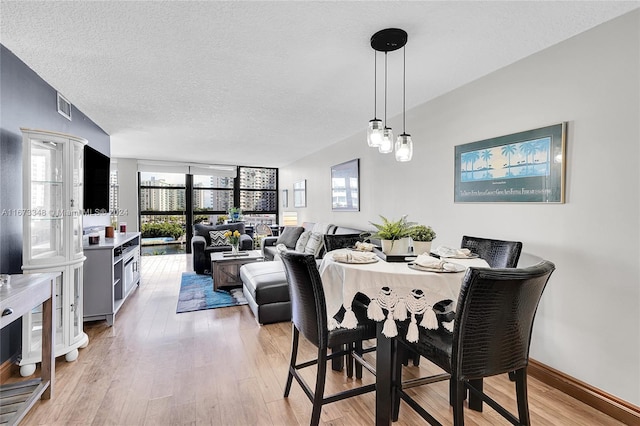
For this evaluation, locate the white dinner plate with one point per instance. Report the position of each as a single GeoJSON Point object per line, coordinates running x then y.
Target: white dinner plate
{"type": "Point", "coordinates": [362, 262]}
{"type": "Point", "coordinates": [458, 268]}
{"type": "Point", "coordinates": [461, 256]}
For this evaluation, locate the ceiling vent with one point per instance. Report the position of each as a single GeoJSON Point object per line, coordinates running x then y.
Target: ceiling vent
{"type": "Point", "coordinates": [64, 107]}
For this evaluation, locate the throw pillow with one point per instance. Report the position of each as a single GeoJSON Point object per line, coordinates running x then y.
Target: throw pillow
{"type": "Point", "coordinates": [302, 241]}
{"type": "Point", "coordinates": [218, 239]}
{"type": "Point", "coordinates": [290, 236]}
{"type": "Point", "coordinates": [315, 243]}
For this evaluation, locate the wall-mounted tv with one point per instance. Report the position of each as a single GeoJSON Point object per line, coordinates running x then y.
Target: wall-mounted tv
{"type": "Point", "coordinates": [96, 181]}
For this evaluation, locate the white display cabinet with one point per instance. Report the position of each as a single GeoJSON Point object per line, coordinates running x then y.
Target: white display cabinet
{"type": "Point", "coordinates": [52, 238]}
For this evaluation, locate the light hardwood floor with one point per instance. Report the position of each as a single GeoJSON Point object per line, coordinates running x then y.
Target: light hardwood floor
{"type": "Point", "coordinates": [219, 367]}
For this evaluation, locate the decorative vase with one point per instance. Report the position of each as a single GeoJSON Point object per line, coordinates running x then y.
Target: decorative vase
{"type": "Point", "coordinates": [234, 248]}
{"type": "Point", "coordinates": [421, 247]}
{"type": "Point", "coordinates": [400, 246]}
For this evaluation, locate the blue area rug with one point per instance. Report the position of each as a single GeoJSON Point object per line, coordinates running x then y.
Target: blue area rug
{"type": "Point", "coordinates": [196, 293]}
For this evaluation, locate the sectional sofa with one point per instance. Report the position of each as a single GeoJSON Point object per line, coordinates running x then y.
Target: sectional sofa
{"type": "Point", "coordinates": [265, 284]}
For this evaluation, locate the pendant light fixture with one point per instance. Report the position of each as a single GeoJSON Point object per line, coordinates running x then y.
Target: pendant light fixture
{"type": "Point", "coordinates": [404, 145]}
{"type": "Point", "coordinates": [389, 40]}
{"type": "Point", "coordinates": [374, 132]}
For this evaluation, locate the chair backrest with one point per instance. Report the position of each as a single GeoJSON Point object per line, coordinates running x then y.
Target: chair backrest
{"type": "Point", "coordinates": [494, 319]}
{"type": "Point", "coordinates": [497, 253]}
{"type": "Point", "coordinates": [308, 305]}
{"type": "Point", "coordinates": [338, 241]}
{"type": "Point", "coordinates": [263, 230]}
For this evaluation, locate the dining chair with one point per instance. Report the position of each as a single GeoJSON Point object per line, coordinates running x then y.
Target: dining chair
{"type": "Point", "coordinates": [338, 241]}
{"type": "Point", "coordinates": [497, 253]}
{"type": "Point", "coordinates": [491, 336]}
{"type": "Point", "coordinates": [309, 318]}
{"type": "Point", "coordinates": [360, 301]}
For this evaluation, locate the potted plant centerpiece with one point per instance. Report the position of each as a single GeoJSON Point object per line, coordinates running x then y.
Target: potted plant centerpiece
{"type": "Point", "coordinates": [393, 234]}
{"type": "Point", "coordinates": [422, 236]}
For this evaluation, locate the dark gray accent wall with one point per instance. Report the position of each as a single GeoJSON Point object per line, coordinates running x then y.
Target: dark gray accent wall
{"type": "Point", "coordinates": [26, 100]}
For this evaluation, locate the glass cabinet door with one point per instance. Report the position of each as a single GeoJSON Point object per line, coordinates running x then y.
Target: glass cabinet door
{"type": "Point", "coordinates": [76, 305]}
{"type": "Point", "coordinates": [32, 324]}
{"type": "Point", "coordinates": [76, 199]}
{"type": "Point", "coordinates": [44, 208]}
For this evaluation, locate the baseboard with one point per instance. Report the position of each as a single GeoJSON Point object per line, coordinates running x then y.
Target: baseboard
{"type": "Point", "coordinates": [602, 401]}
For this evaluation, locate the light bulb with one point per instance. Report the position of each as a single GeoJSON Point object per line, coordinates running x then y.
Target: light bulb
{"type": "Point", "coordinates": [404, 148]}
{"type": "Point", "coordinates": [387, 141]}
{"type": "Point", "coordinates": [374, 133]}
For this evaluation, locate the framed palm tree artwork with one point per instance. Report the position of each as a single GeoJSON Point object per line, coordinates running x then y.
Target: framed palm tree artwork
{"type": "Point", "coordinates": [525, 167]}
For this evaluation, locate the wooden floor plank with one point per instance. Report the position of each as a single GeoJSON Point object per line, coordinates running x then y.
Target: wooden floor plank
{"type": "Point", "coordinates": [219, 367]}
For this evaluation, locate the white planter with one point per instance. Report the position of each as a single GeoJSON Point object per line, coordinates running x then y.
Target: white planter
{"type": "Point", "coordinates": [400, 246]}
{"type": "Point", "coordinates": [421, 247]}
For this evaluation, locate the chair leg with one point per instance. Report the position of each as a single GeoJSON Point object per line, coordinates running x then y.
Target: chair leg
{"type": "Point", "coordinates": [337, 364]}
{"type": "Point", "coordinates": [357, 365]}
{"type": "Point", "coordinates": [319, 393]}
{"type": "Point", "coordinates": [458, 399]}
{"type": "Point", "coordinates": [475, 402]}
{"type": "Point", "coordinates": [349, 360]}
{"type": "Point", "coordinates": [295, 335]}
{"type": "Point", "coordinates": [521, 394]}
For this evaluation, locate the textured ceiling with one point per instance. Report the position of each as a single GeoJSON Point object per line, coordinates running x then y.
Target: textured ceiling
{"type": "Point", "coordinates": [265, 83]}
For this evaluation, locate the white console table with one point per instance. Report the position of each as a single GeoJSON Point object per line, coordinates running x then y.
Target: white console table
{"type": "Point", "coordinates": [17, 299]}
{"type": "Point", "coordinates": [111, 272]}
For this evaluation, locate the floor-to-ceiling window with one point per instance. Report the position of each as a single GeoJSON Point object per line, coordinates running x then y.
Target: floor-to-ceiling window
{"type": "Point", "coordinates": [163, 212]}
{"type": "Point", "coordinates": [257, 194]}
{"type": "Point", "coordinates": [170, 203]}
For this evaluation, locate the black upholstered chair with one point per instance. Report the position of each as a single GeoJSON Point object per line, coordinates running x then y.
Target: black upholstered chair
{"type": "Point", "coordinates": [201, 243]}
{"type": "Point", "coordinates": [491, 336]}
{"type": "Point", "coordinates": [497, 253]}
{"type": "Point", "coordinates": [309, 318]}
{"type": "Point", "coordinates": [338, 241]}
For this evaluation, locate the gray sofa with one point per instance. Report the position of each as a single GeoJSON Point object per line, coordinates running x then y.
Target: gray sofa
{"type": "Point", "coordinates": [265, 284]}
{"type": "Point", "coordinates": [201, 247]}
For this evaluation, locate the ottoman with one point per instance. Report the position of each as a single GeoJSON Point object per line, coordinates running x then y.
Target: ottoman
{"type": "Point", "coordinates": [266, 289]}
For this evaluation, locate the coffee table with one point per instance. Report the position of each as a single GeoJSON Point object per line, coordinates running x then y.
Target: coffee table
{"type": "Point", "coordinates": [225, 269]}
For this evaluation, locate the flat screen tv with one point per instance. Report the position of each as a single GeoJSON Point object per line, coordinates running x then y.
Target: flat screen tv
{"type": "Point", "coordinates": [96, 181]}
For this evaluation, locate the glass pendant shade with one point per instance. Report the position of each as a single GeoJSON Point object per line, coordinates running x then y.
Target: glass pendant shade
{"type": "Point", "coordinates": [404, 148]}
{"type": "Point", "coordinates": [387, 141]}
{"type": "Point", "coordinates": [375, 133]}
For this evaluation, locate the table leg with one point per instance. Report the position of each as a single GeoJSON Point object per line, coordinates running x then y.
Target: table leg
{"type": "Point", "coordinates": [384, 368]}
{"type": "Point", "coordinates": [48, 342]}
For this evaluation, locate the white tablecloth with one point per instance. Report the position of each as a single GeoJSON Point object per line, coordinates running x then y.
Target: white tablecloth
{"type": "Point", "coordinates": [341, 282]}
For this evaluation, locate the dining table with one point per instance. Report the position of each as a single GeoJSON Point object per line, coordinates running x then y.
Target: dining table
{"type": "Point", "coordinates": [398, 291]}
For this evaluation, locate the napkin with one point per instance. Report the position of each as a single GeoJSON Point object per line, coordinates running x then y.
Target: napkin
{"type": "Point", "coordinates": [429, 262]}
{"type": "Point", "coordinates": [361, 246]}
{"type": "Point", "coordinates": [354, 257]}
{"type": "Point", "coordinates": [452, 252]}
{"type": "Point", "coordinates": [426, 261]}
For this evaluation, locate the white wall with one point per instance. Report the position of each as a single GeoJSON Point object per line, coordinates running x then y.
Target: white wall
{"type": "Point", "coordinates": [588, 323]}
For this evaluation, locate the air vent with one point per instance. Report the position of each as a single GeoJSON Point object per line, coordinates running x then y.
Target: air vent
{"type": "Point", "coordinates": [64, 107]}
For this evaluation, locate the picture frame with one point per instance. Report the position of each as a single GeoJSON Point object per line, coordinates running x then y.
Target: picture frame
{"type": "Point", "coordinates": [285, 198]}
{"type": "Point", "coordinates": [524, 167]}
{"type": "Point", "coordinates": [300, 193]}
{"type": "Point", "coordinates": [345, 186]}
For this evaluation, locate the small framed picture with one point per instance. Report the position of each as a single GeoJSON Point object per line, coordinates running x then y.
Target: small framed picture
{"type": "Point", "coordinates": [345, 186]}
{"type": "Point", "coordinates": [300, 193]}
